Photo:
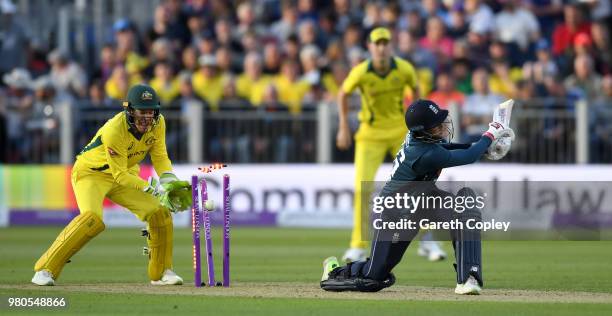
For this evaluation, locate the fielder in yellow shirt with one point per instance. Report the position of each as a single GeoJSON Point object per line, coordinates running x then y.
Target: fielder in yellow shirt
{"type": "Point", "coordinates": [382, 82]}
{"type": "Point", "coordinates": [108, 168]}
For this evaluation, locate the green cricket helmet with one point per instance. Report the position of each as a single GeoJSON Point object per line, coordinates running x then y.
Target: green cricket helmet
{"type": "Point", "coordinates": [141, 97]}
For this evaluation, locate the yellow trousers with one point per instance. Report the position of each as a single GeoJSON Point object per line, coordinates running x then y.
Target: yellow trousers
{"type": "Point", "coordinates": [369, 155]}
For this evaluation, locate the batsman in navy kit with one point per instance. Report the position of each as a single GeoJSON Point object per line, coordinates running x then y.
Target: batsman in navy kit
{"type": "Point", "coordinates": [425, 152]}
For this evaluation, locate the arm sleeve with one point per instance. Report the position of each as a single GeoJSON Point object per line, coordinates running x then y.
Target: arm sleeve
{"type": "Point", "coordinates": [116, 155]}
{"type": "Point", "coordinates": [453, 146]}
{"type": "Point", "coordinates": [440, 157]}
{"type": "Point", "coordinates": [352, 80]}
{"type": "Point", "coordinates": [158, 152]}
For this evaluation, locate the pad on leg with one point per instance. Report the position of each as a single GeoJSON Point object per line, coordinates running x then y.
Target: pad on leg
{"type": "Point", "coordinates": [467, 244]}
{"type": "Point", "coordinates": [78, 232]}
{"type": "Point", "coordinates": [160, 243]}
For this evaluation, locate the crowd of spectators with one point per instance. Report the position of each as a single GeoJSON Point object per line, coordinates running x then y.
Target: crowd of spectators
{"type": "Point", "coordinates": [281, 55]}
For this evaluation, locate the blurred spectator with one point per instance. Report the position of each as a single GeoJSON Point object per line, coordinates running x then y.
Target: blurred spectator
{"type": "Point", "coordinates": [252, 84]}
{"type": "Point", "coordinates": [352, 37]}
{"type": "Point", "coordinates": [225, 62]}
{"type": "Point", "coordinates": [517, 28]}
{"type": "Point", "coordinates": [479, 106]}
{"type": "Point", "coordinates": [307, 33]}
{"type": "Point", "coordinates": [461, 71]}
{"type": "Point", "coordinates": [432, 8]}
{"type": "Point", "coordinates": [14, 38]}
{"type": "Point", "coordinates": [287, 25]}
{"type": "Point", "coordinates": [333, 81]}
{"type": "Point", "coordinates": [176, 30]}
{"type": "Point", "coordinates": [335, 52]}
{"type": "Point", "coordinates": [292, 48]}
{"type": "Point", "coordinates": [231, 99]}
{"type": "Point", "coordinates": [543, 67]}
{"type": "Point", "coordinates": [126, 51]}
{"type": "Point", "coordinates": [164, 83]}
{"type": "Point", "coordinates": [504, 77]}
{"type": "Point", "coordinates": [159, 27]}
{"type": "Point", "coordinates": [250, 43]}
{"type": "Point", "coordinates": [271, 58]}
{"type": "Point", "coordinates": [479, 16]}
{"type": "Point", "coordinates": [457, 25]}
{"type": "Point", "coordinates": [120, 81]}
{"type": "Point", "coordinates": [409, 49]}
{"type": "Point", "coordinates": [390, 14]}
{"type": "Point", "coordinates": [223, 35]}
{"type": "Point", "coordinates": [43, 122]}
{"type": "Point", "coordinates": [355, 56]}
{"type": "Point", "coordinates": [66, 75]}
{"type": "Point", "coordinates": [307, 10]}
{"type": "Point", "coordinates": [548, 13]}
{"type": "Point", "coordinates": [415, 22]}
{"type": "Point", "coordinates": [246, 21]}
{"type": "Point", "coordinates": [106, 64]}
{"type": "Point", "coordinates": [584, 81]}
{"type": "Point", "coordinates": [17, 106]}
{"type": "Point", "coordinates": [446, 93]}
{"type": "Point", "coordinates": [601, 47]}
{"type": "Point", "coordinates": [290, 89]}
{"type": "Point", "coordinates": [478, 49]}
{"type": "Point", "coordinates": [309, 59]}
{"type": "Point", "coordinates": [206, 44]}
{"type": "Point", "coordinates": [97, 96]}
{"type": "Point", "coordinates": [161, 52]}
{"type": "Point", "coordinates": [565, 33]}
{"type": "Point", "coordinates": [207, 82]}
{"type": "Point", "coordinates": [436, 40]}
{"type": "Point", "coordinates": [344, 15]}
{"type": "Point", "coordinates": [196, 26]}
{"type": "Point", "coordinates": [189, 60]}
{"type": "Point", "coordinates": [372, 16]}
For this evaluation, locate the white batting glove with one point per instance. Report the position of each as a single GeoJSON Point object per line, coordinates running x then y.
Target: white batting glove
{"type": "Point", "coordinates": [497, 130]}
{"type": "Point", "coordinates": [498, 148]}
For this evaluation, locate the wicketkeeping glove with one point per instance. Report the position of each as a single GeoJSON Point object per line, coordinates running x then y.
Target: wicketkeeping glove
{"type": "Point", "coordinates": [153, 187]}
{"type": "Point", "coordinates": [176, 194]}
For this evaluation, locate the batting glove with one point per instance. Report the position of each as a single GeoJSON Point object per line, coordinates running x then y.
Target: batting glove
{"type": "Point", "coordinates": [497, 130]}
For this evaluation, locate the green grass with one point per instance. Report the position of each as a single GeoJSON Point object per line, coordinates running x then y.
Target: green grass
{"type": "Point", "coordinates": [295, 255]}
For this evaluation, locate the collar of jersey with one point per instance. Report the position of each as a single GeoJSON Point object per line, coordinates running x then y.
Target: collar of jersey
{"type": "Point", "coordinates": [391, 67]}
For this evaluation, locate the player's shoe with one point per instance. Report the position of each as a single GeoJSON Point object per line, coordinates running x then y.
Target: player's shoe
{"type": "Point", "coordinates": [43, 277]}
{"type": "Point", "coordinates": [432, 250]}
{"type": "Point", "coordinates": [470, 287]}
{"type": "Point", "coordinates": [354, 255]}
{"type": "Point", "coordinates": [329, 264]}
{"type": "Point", "coordinates": [169, 278]}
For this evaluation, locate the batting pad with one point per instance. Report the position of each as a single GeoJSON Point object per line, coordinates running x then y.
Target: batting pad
{"type": "Point", "coordinates": [160, 243]}
{"type": "Point", "coordinates": [78, 232]}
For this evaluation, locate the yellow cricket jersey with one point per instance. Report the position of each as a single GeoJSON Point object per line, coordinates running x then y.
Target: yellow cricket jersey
{"type": "Point", "coordinates": [209, 89]}
{"type": "Point", "coordinates": [252, 90]}
{"type": "Point", "coordinates": [115, 150]}
{"type": "Point", "coordinates": [292, 93]}
{"type": "Point", "coordinates": [382, 107]}
{"type": "Point", "coordinates": [167, 92]}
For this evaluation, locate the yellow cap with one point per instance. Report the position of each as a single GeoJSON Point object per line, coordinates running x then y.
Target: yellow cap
{"type": "Point", "coordinates": [380, 33]}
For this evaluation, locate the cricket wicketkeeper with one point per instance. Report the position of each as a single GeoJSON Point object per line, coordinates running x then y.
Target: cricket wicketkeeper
{"type": "Point", "coordinates": [108, 167]}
